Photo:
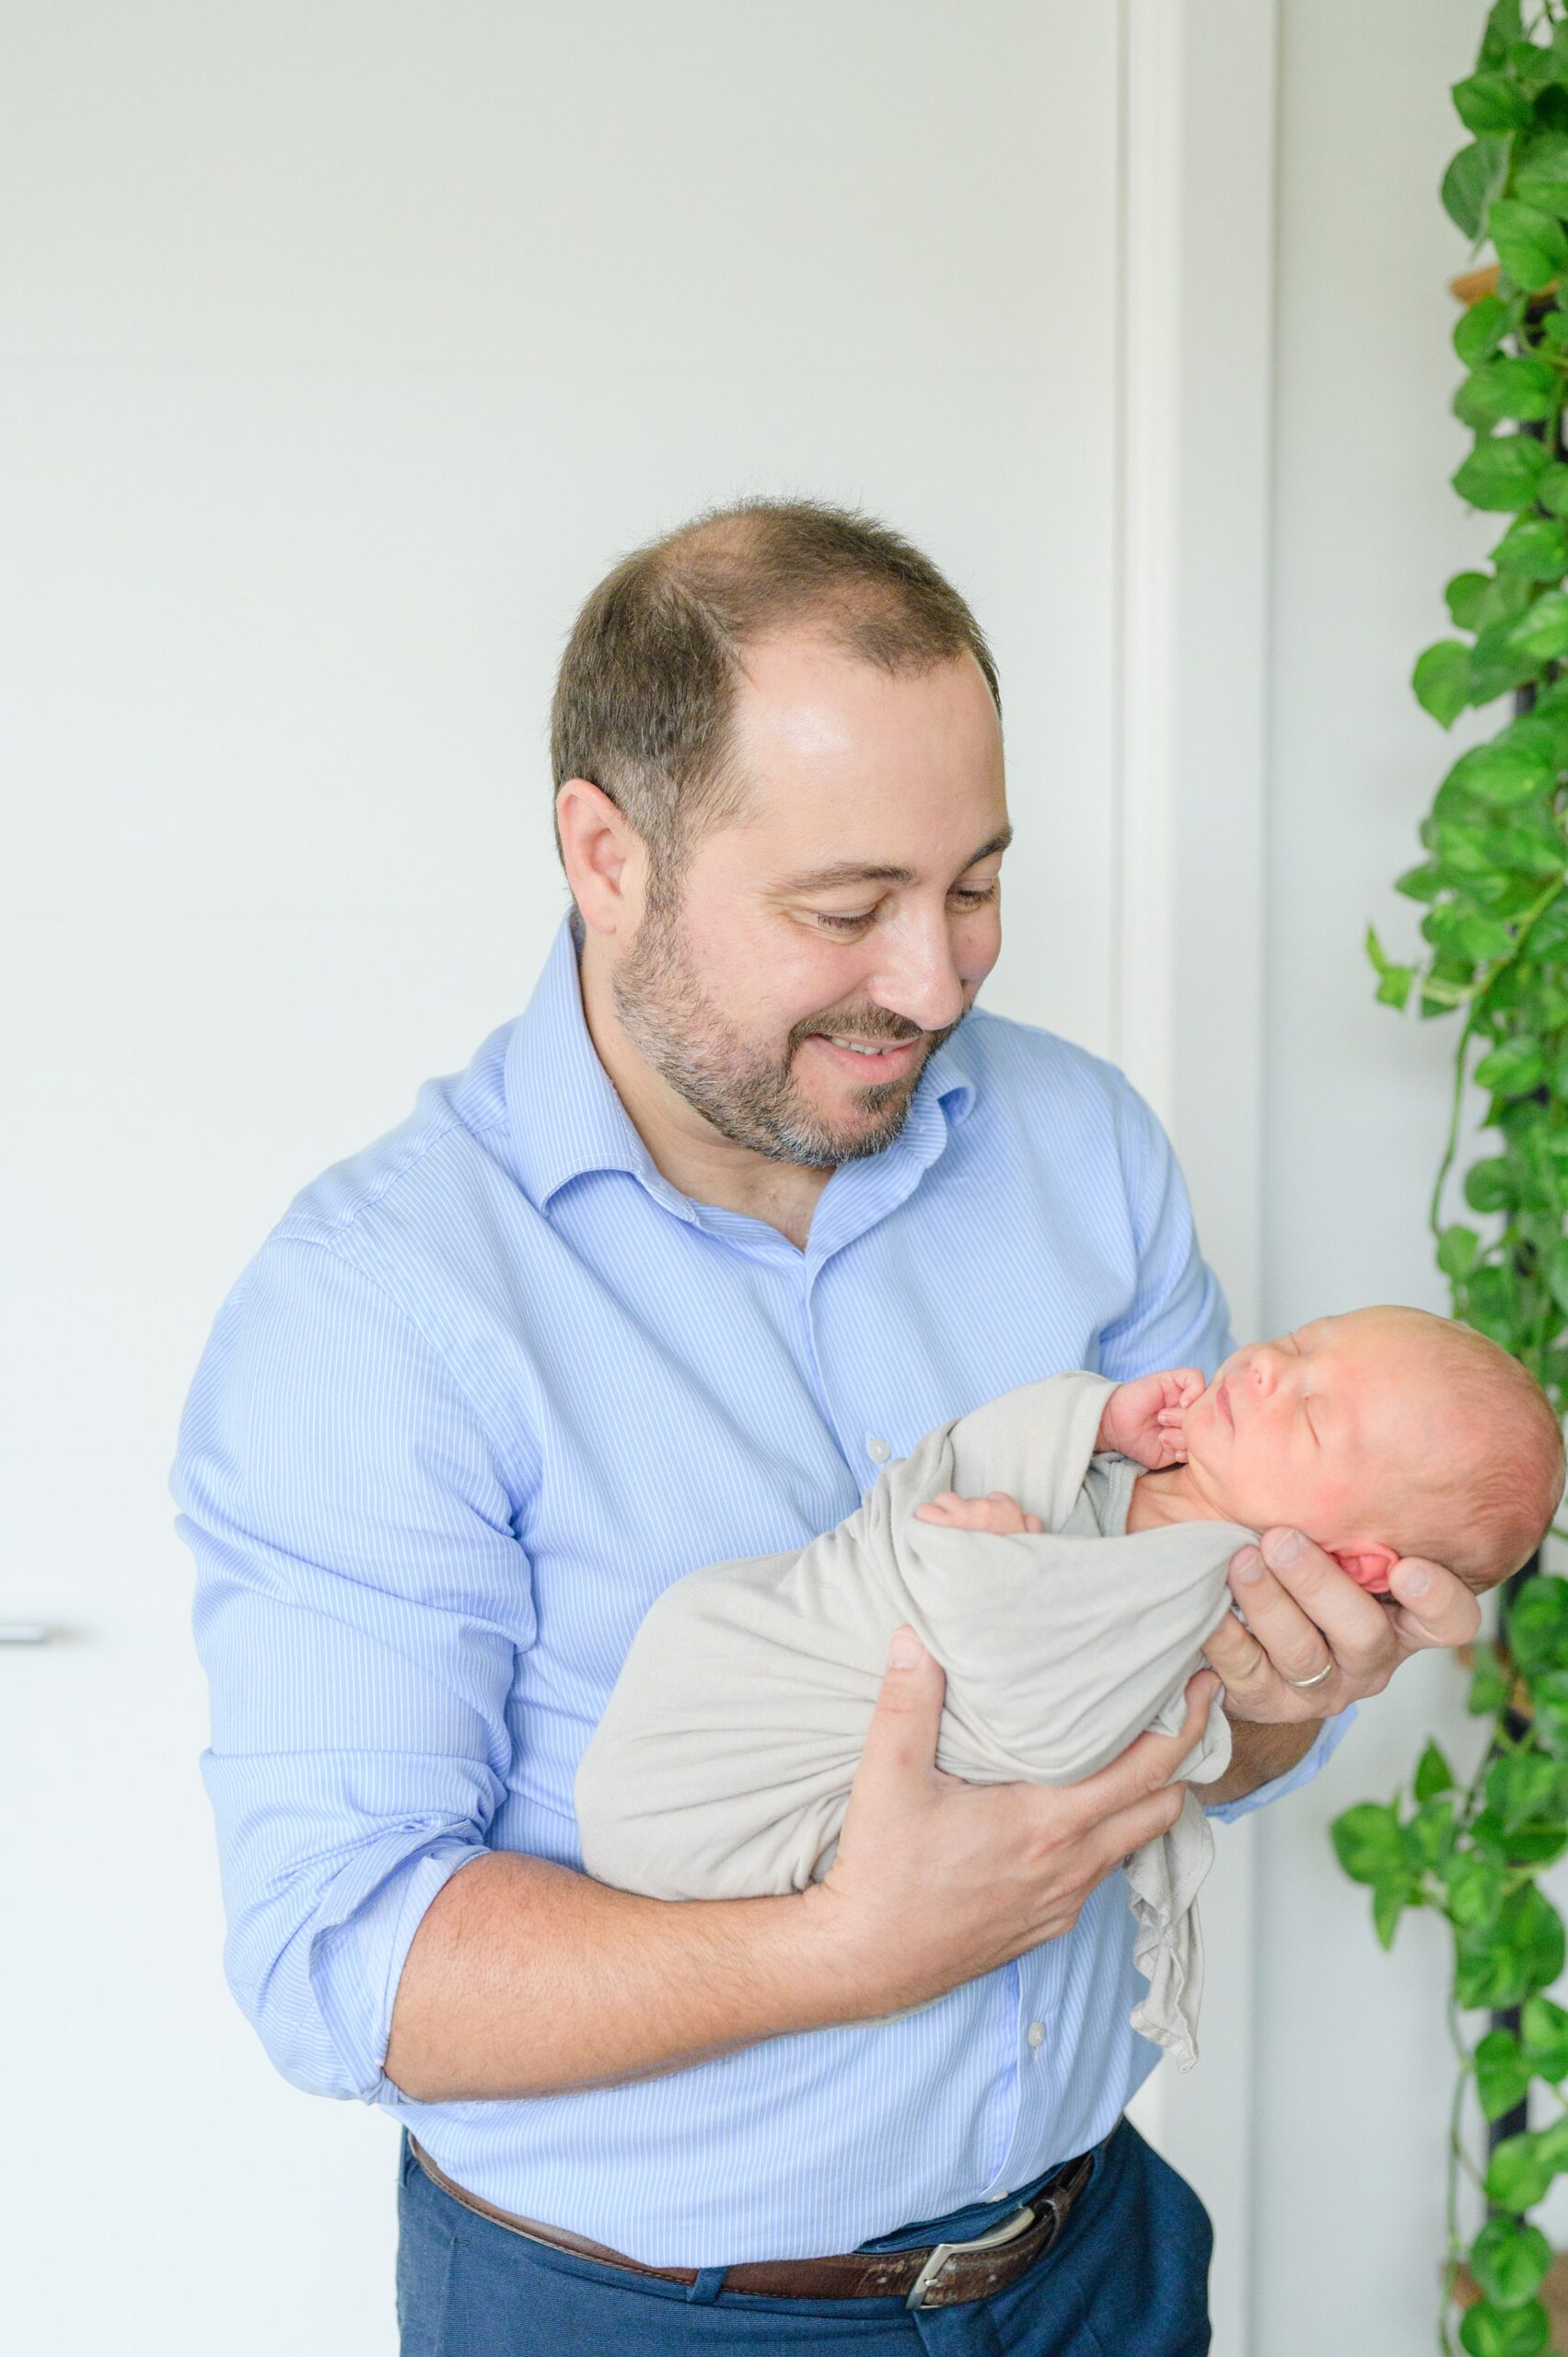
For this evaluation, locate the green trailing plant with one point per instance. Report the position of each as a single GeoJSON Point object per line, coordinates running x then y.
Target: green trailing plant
{"type": "Point", "coordinates": [1493, 885]}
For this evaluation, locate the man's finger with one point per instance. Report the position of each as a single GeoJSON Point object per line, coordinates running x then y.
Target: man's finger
{"type": "Point", "coordinates": [901, 1737]}
{"type": "Point", "coordinates": [1146, 1766]}
{"type": "Point", "coordinates": [1433, 1607]}
{"type": "Point", "coordinates": [1108, 1844]}
{"type": "Point", "coordinates": [1238, 1657]}
{"type": "Point", "coordinates": [1302, 1606]}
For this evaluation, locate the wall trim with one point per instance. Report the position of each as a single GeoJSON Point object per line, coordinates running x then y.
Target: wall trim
{"type": "Point", "coordinates": [1195, 388]}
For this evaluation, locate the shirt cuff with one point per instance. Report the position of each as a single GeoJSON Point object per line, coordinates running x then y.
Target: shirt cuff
{"type": "Point", "coordinates": [1330, 1736]}
{"type": "Point", "coordinates": [356, 1963]}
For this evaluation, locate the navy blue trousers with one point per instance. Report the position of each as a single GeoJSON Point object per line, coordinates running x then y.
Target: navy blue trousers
{"type": "Point", "coordinates": [1127, 2278]}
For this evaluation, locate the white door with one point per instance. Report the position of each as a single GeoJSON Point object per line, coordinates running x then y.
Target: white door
{"type": "Point", "coordinates": [343, 349]}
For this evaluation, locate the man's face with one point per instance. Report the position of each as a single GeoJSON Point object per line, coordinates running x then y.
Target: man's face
{"type": "Point", "coordinates": [792, 980]}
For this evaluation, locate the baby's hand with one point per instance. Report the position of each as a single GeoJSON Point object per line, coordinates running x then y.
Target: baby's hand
{"type": "Point", "coordinates": [997, 1513]}
{"type": "Point", "coordinates": [1145, 1419]}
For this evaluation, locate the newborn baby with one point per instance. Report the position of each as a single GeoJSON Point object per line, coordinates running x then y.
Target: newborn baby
{"type": "Point", "coordinates": [1062, 1552]}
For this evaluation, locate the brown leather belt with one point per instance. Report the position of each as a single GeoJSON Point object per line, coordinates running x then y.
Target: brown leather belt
{"type": "Point", "coordinates": [936, 2275]}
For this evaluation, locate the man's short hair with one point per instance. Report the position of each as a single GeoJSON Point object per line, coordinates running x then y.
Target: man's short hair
{"type": "Point", "coordinates": [645, 694]}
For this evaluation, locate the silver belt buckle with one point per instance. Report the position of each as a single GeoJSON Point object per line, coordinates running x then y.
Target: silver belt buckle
{"type": "Point", "coordinates": [1008, 2230]}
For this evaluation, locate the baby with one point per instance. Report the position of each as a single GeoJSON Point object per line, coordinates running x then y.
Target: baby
{"type": "Point", "coordinates": [1066, 1624]}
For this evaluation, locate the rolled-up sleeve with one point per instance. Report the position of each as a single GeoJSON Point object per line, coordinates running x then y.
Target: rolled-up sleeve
{"type": "Point", "coordinates": [1329, 1735]}
{"type": "Point", "coordinates": [361, 1597]}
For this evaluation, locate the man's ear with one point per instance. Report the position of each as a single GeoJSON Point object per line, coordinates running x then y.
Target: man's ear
{"type": "Point", "coordinates": [602, 853]}
{"type": "Point", "coordinates": [1368, 1563]}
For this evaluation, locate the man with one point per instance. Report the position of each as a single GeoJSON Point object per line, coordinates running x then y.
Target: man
{"type": "Point", "coordinates": [738, 1208]}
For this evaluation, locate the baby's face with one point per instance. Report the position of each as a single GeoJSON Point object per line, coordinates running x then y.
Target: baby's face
{"type": "Point", "coordinates": [1328, 1429]}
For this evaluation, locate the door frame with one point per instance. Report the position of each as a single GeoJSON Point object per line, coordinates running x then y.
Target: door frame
{"type": "Point", "coordinates": [1197, 181]}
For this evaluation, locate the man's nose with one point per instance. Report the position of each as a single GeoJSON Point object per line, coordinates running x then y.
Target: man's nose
{"type": "Point", "coordinates": [916, 976]}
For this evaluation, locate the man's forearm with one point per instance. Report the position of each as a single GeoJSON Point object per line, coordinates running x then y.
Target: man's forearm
{"type": "Point", "coordinates": [525, 1979]}
{"type": "Point", "coordinates": [1260, 1752]}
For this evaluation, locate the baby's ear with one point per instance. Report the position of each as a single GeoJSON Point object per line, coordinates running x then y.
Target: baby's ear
{"type": "Point", "coordinates": [1368, 1566]}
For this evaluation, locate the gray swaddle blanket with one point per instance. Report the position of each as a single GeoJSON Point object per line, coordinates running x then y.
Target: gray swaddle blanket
{"type": "Point", "coordinates": [722, 1766]}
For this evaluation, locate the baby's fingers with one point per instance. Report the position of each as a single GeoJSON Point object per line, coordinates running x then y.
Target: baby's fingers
{"type": "Point", "coordinates": [940, 1509]}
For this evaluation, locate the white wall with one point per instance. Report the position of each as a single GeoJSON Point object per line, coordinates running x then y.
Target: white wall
{"type": "Point", "coordinates": [342, 349]}
{"type": "Point", "coordinates": [1352, 2080]}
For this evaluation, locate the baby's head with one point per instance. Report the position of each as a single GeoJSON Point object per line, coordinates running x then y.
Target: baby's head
{"type": "Point", "coordinates": [1383, 1432]}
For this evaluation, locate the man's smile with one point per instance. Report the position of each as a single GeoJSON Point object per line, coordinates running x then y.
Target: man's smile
{"type": "Point", "coordinates": [868, 1061]}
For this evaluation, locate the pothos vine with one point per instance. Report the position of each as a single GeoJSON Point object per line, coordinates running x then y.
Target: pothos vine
{"type": "Point", "coordinates": [1494, 883]}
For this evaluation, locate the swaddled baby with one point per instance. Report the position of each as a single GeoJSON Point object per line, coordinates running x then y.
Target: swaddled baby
{"type": "Point", "coordinates": [1063, 1552]}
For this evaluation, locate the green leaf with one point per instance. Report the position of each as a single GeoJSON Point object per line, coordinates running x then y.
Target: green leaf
{"type": "Point", "coordinates": [1540, 176]}
{"type": "Point", "coordinates": [1503, 387]}
{"type": "Point", "coordinates": [1473, 178]}
{"type": "Point", "coordinates": [1476, 599]}
{"type": "Point", "coordinates": [1531, 245]}
{"type": "Point", "coordinates": [1541, 631]}
{"type": "Point", "coordinates": [1548, 937]}
{"type": "Point", "coordinates": [1501, 472]}
{"type": "Point", "coordinates": [1509, 2261]}
{"type": "Point", "coordinates": [1535, 548]}
{"type": "Point", "coordinates": [1488, 1187]}
{"type": "Point", "coordinates": [1557, 1275]}
{"type": "Point", "coordinates": [1433, 1773]}
{"type": "Point", "coordinates": [1366, 1842]}
{"type": "Point", "coordinates": [1543, 2033]}
{"type": "Point", "coordinates": [1393, 980]}
{"type": "Point", "coordinates": [1428, 1839]}
{"type": "Point", "coordinates": [1513, 767]}
{"type": "Point", "coordinates": [1538, 1631]}
{"type": "Point", "coordinates": [1464, 594]}
{"type": "Point", "coordinates": [1423, 883]}
{"type": "Point", "coordinates": [1535, 1931]}
{"type": "Point", "coordinates": [1513, 1069]}
{"type": "Point", "coordinates": [1498, 662]}
{"type": "Point", "coordinates": [1456, 1248]}
{"type": "Point", "coordinates": [1552, 489]}
{"type": "Point", "coordinates": [1490, 103]}
{"type": "Point", "coordinates": [1523, 1786]}
{"type": "Point", "coordinates": [1486, 2330]}
{"type": "Point", "coordinates": [1532, 847]}
{"type": "Point", "coordinates": [1502, 2074]}
{"type": "Point", "coordinates": [1488, 1682]}
{"type": "Point", "coordinates": [1474, 1889]}
{"type": "Point", "coordinates": [1442, 679]}
{"type": "Point", "coordinates": [1483, 328]}
{"type": "Point", "coordinates": [1389, 1900]}
{"type": "Point", "coordinates": [1533, 67]}
{"type": "Point", "coordinates": [1504, 25]}
{"type": "Point", "coordinates": [1519, 2171]}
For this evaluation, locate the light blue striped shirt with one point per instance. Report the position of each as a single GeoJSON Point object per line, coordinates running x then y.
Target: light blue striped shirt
{"type": "Point", "coordinates": [483, 1393]}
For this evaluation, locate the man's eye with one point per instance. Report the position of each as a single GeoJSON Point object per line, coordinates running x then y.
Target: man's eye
{"type": "Point", "coordinates": [842, 923]}
{"type": "Point", "coordinates": [975, 896]}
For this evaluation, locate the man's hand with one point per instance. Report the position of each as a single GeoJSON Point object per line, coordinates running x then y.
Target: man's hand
{"type": "Point", "coordinates": [524, 1979]}
{"type": "Point", "coordinates": [1305, 1614]}
{"type": "Point", "coordinates": [1145, 1419]}
{"type": "Point", "coordinates": [936, 1881]}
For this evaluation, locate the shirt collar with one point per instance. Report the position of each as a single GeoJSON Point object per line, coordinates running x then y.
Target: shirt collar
{"type": "Point", "coordinates": [567, 1119]}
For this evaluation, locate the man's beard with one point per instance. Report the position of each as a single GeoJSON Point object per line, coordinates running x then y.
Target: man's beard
{"type": "Point", "coordinates": [748, 1094]}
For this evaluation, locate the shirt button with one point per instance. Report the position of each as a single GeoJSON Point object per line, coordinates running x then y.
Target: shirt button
{"type": "Point", "coordinates": [1036, 2033]}
{"type": "Point", "coordinates": [876, 1449]}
